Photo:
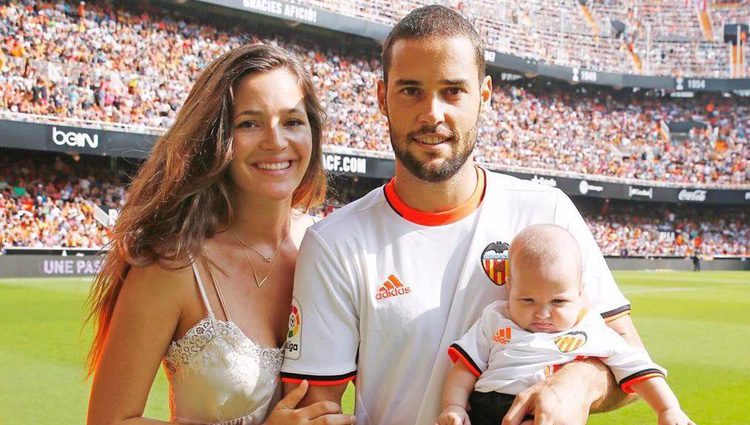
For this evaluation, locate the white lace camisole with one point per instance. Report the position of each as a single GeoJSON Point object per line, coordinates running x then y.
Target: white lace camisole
{"type": "Point", "coordinates": [218, 375]}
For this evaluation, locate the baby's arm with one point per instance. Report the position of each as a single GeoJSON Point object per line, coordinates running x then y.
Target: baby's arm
{"type": "Point", "coordinates": [636, 372]}
{"type": "Point", "coordinates": [456, 390]}
{"type": "Point", "coordinates": [660, 397]}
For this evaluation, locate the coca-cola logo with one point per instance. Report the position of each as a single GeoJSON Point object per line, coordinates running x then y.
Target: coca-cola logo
{"type": "Point", "coordinates": [692, 195]}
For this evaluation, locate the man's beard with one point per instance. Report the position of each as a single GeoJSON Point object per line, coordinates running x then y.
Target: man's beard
{"type": "Point", "coordinates": [449, 167]}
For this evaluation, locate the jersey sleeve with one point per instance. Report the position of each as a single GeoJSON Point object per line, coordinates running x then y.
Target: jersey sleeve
{"type": "Point", "coordinates": [598, 284]}
{"type": "Point", "coordinates": [323, 336]}
{"type": "Point", "coordinates": [473, 349]}
{"type": "Point", "coordinates": [629, 364]}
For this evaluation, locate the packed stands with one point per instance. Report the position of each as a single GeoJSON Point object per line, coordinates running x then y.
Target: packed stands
{"type": "Point", "coordinates": [603, 132]}
{"type": "Point", "coordinates": [656, 38]}
{"type": "Point", "coordinates": [641, 229]}
{"type": "Point", "coordinates": [48, 200]}
{"type": "Point", "coordinates": [133, 68]}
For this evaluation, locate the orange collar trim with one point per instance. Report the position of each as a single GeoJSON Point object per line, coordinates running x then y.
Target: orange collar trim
{"type": "Point", "coordinates": [438, 218]}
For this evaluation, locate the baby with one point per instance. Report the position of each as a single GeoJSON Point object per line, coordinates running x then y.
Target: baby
{"type": "Point", "coordinates": [543, 325]}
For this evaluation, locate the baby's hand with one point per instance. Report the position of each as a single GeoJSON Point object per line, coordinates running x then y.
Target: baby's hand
{"type": "Point", "coordinates": [673, 416]}
{"type": "Point", "coordinates": [453, 415]}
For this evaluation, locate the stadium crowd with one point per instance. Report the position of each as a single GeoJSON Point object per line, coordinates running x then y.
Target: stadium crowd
{"type": "Point", "coordinates": [104, 63]}
{"type": "Point", "coordinates": [640, 229]}
{"type": "Point", "coordinates": [48, 200]}
{"type": "Point", "coordinates": [623, 36]}
{"type": "Point", "coordinates": [602, 134]}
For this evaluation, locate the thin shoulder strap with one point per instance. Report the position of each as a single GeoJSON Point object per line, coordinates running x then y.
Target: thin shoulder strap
{"type": "Point", "coordinates": [203, 291]}
{"type": "Point", "coordinates": [218, 289]}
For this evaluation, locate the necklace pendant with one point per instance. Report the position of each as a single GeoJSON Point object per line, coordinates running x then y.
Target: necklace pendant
{"type": "Point", "coordinates": [266, 259]}
{"type": "Point", "coordinates": [258, 282]}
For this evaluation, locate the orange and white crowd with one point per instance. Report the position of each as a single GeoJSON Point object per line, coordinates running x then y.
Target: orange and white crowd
{"type": "Point", "coordinates": [48, 200]}
{"type": "Point", "coordinates": [103, 62]}
{"type": "Point", "coordinates": [107, 64]}
{"type": "Point", "coordinates": [640, 229]}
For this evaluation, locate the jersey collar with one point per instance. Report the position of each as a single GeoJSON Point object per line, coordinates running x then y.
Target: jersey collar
{"type": "Point", "coordinates": [438, 218]}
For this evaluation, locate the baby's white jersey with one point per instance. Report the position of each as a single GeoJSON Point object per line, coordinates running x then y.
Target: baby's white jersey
{"type": "Point", "coordinates": [381, 298]}
{"type": "Point", "coordinates": [508, 359]}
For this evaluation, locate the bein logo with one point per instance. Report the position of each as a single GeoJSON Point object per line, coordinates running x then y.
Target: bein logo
{"type": "Point", "coordinates": [72, 138]}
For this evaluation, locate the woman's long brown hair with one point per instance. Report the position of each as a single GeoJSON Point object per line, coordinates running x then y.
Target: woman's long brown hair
{"type": "Point", "coordinates": [181, 195]}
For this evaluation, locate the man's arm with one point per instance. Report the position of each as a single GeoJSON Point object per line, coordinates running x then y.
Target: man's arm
{"type": "Point", "coordinates": [322, 348]}
{"type": "Point", "coordinates": [614, 398]}
{"type": "Point", "coordinates": [317, 393]}
{"type": "Point", "coordinates": [576, 390]}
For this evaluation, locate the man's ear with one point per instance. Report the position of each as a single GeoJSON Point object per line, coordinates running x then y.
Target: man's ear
{"type": "Point", "coordinates": [485, 92]}
{"type": "Point", "coordinates": [381, 97]}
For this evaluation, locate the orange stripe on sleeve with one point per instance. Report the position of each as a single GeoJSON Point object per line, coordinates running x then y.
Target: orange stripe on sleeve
{"type": "Point", "coordinates": [628, 386]}
{"type": "Point", "coordinates": [457, 355]}
{"type": "Point", "coordinates": [627, 383]}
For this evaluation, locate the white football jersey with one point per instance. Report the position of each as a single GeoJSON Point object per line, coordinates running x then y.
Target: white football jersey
{"type": "Point", "coordinates": [508, 359]}
{"type": "Point", "coordinates": [381, 291]}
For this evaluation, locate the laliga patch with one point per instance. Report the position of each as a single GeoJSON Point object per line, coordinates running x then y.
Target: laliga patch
{"type": "Point", "coordinates": [495, 262]}
{"type": "Point", "coordinates": [571, 341]}
{"type": "Point", "coordinates": [292, 345]}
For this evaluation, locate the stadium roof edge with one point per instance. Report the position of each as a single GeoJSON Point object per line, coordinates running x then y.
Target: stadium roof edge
{"type": "Point", "coordinates": [290, 12]}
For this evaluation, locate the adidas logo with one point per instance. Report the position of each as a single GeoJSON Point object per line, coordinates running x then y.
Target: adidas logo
{"type": "Point", "coordinates": [502, 336]}
{"type": "Point", "coordinates": [391, 288]}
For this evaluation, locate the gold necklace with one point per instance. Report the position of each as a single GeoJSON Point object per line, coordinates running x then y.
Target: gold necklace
{"type": "Point", "coordinates": [270, 260]}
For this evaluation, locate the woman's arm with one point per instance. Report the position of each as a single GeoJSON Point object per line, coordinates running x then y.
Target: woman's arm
{"type": "Point", "coordinates": [143, 324]}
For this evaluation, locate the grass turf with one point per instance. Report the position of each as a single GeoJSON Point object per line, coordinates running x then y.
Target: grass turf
{"type": "Point", "coordinates": [694, 324]}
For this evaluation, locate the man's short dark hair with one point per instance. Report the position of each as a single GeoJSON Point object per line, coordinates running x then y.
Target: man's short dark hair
{"type": "Point", "coordinates": [432, 21]}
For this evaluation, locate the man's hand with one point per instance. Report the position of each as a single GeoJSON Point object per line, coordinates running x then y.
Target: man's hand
{"type": "Point", "coordinates": [566, 397]}
{"type": "Point", "coordinates": [552, 402]}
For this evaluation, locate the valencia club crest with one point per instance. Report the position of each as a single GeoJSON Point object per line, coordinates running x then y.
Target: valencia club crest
{"type": "Point", "coordinates": [495, 262]}
{"type": "Point", "coordinates": [571, 341]}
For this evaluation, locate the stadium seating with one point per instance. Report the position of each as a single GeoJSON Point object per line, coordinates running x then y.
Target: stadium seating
{"type": "Point", "coordinates": [108, 65]}
{"type": "Point", "coordinates": [640, 229]}
{"type": "Point", "coordinates": [97, 75]}
{"type": "Point", "coordinates": [48, 201]}
{"type": "Point", "coordinates": [666, 35]}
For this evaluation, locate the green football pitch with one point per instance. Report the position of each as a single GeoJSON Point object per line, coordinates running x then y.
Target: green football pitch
{"type": "Point", "coordinates": [694, 324]}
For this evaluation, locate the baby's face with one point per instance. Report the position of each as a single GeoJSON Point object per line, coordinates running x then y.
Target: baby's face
{"type": "Point", "coordinates": [545, 298]}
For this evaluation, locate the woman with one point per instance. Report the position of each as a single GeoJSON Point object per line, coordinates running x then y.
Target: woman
{"type": "Point", "coordinates": [200, 272]}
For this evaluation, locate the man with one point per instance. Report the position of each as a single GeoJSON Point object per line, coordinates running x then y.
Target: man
{"type": "Point", "coordinates": [386, 284]}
